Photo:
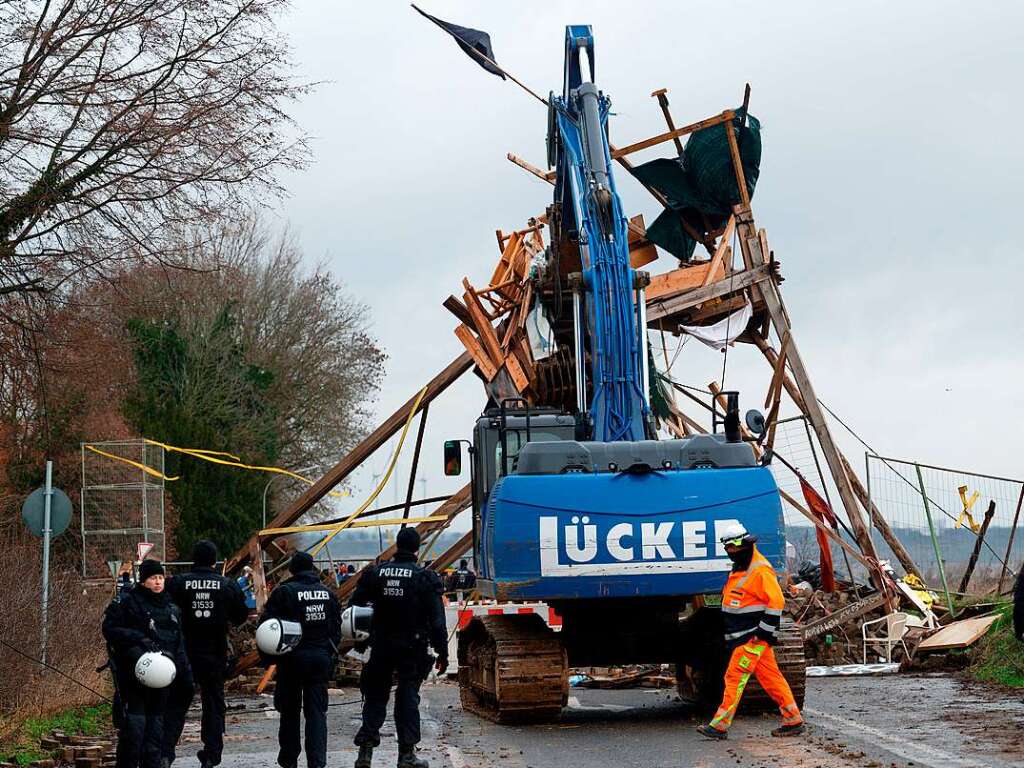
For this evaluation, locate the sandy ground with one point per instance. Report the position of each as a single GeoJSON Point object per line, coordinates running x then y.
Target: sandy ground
{"type": "Point", "coordinates": [927, 721]}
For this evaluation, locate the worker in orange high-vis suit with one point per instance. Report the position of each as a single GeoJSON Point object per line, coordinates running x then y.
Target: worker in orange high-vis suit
{"type": "Point", "coordinates": [752, 605]}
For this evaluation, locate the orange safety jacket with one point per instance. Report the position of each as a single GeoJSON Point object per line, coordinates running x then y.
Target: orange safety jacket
{"type": "Point", "coordinates": [752, 603]}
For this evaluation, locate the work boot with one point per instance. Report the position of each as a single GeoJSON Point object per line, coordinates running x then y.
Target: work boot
{"type": "Point", "coordinates": [711, 732]}
{"type": "Point", "coordinates": [407, 758]}
{"type": "Point", "coordinates": [365, 756]}
{"type": "Point", "coordinates": [789, 730]}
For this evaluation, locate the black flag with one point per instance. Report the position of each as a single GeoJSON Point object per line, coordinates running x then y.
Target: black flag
{"type": "Point", "coordinates": [474, 42]}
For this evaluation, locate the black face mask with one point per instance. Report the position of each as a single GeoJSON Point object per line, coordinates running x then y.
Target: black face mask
{"type": "Point", "coordinates": [741, 558]}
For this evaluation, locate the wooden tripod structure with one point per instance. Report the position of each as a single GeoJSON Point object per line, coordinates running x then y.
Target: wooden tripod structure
{"type": "Point", "coordinates": [492, 330]}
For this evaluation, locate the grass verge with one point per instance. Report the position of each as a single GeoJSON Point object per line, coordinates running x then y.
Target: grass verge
{"type": "Point", "coordinates": [1000, 656]}
{"type": "Point", "coordinates": [23, 747]}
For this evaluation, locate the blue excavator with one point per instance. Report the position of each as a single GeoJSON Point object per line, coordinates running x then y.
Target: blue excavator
{"type": "Point", "coordinates": [584, 508]}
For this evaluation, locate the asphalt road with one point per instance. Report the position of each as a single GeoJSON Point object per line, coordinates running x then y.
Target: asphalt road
{"type": "Point", "coordinates": [930, 721]}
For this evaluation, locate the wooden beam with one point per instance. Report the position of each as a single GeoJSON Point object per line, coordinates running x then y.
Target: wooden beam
{"type": "Point", "coordinates": [661, 138]}
{"type": "Point", "coordinates": [530, 168]}
{"type": "Point", "coordinates": [723, 253]}
{"type": "Point", "coordinates": [734, 283]}
{"type": "Point", "coordinates": [737, 167]}
{"type": "Point", "coordinates": [458, 309]}
{"type": "Point", "coordinates": [966, 580]}
{"type": "Point", "coordinates": [359, 454]}
{"type": "Point", "coordinates": [682, 279]}
{"type": "Point", "coordinates": [482, 324]}
{"type": "Point", "coordinates": [453, 553]}
{"type": "Point", "coordinates": [473, 347]}
{"type": "Point", "coordinates": [775, 387]}
{"type": "Point", "coordinates": [751, 244]}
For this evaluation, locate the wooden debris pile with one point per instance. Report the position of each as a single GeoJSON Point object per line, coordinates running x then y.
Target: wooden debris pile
{"type": "Point", "coordinates": [75, 751]}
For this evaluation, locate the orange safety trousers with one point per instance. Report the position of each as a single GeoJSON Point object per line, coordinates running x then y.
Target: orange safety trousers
{"type": "Point", "coordinates": [755, 657]}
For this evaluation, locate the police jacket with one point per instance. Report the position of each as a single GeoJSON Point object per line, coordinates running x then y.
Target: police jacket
{"type": "Point", "coordinates": [209, 602]}
{"type": "Point", "coordinates": [407, 608]}
{"type": "Point", "coordinates": [752, 603]}
{"type": "Point", "coordinates": [462, 580]}
{"type": "Point", "coordinates": [139, 621]}
{"type": "Point", "coordinates": [305, 599]}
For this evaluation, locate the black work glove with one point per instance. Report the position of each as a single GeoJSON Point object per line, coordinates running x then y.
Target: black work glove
{"type": "Point", "coordinates": [361, 647]}
{"type": "Point", "coordinates": [441, 665]}
{"type": "Point", "coordinates": [766, 636]}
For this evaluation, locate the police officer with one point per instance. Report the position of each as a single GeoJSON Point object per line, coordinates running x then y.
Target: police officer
{"type": "Point", "coordinates": [463, 580]}
{"type": "Point", "coordinates": [303, 673]}
{"type": "Point", "coordinates": [408, 615]}
{"type": "Point", "coordinates": [209, 603]}
{"type": "Point", "coordinates": [143, 619]}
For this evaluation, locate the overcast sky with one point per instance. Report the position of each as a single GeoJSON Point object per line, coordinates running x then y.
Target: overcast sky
{"type": "Point", "coordinates": [890, 186]}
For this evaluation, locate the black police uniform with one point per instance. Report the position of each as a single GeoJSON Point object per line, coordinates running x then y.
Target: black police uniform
{"type": "Point", "coordinates": [408, 616]}
{"type": "Point", "coordinates": [139, 621]}
{"type": "Point", "coordinates": [303, 673]}
{"type": "Point", "coordinates": [209, 602]}
{"type": "Point", "coordinates": [462, 580]}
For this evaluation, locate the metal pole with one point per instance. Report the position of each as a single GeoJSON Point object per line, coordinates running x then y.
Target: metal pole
{"type": "Point", "coordinates": [81, 508]}
{"type": "Point", "coordinates": [935, 542]}
{"type": "Point", "coordinates": [1009, 544]}
{"type": "Point", "coordinates": [47, 497]}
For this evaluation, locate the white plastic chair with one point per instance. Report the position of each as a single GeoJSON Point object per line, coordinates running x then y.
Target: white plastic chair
{"type": "Point", "coordinates": [895, 627]}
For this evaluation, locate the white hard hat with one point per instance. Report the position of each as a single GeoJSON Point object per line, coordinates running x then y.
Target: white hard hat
{"type": "Point", "coordinates": [155, 670]}
{"type": "Point", "coordinates": [276, 637]}
{"type": "Point", "coordinates": [733, 530]}
{"type": "Point", "coordinates": [355, 623]}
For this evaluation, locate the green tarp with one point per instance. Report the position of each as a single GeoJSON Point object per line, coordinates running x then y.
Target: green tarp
{"type": "Point", "coordinates": [700, 185]}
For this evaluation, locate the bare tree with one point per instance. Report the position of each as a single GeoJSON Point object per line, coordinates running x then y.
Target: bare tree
{"type": "Point", "coordinates": [125, 122]}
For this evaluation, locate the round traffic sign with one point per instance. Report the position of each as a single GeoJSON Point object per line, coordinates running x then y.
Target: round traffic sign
{"type": "Point", "coordinates": [34, 508]}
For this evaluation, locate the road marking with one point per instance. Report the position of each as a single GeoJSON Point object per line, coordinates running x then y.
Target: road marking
{"type": "Point", "coordinates": [916, 751]}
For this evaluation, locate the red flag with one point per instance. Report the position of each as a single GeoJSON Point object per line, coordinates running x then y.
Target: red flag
{"type": "Point", "coordinates": [821, 510]}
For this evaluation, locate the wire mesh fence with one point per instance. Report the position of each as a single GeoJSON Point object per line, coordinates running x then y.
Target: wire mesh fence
{"type": "Point", "coordinates": [947, 518]}
{"type": "Point", "coordinates": [122, 504]}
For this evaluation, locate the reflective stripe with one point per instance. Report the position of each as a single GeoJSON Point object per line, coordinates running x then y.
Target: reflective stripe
{"type": "Point", "coordinates": [773, 611]}
{"type": "Point", "coordinates": [734, 635]}
{"type": "Point", "coordinates": [748, 609]}
{"type": "Point", "coordinates": [767, 627]}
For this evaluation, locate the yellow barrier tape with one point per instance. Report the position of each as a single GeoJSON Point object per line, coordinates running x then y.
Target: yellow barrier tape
{"type": "Point", "coordinates": [374, 523]}
{"type": "Point", "coordinates": [211, 456]}
{"type": "Point", "coordinates": [139, 465]}
{"type": "Point", "coordinates": [376, 491]}
{"type": "Point", "coordinates": [967, 504]}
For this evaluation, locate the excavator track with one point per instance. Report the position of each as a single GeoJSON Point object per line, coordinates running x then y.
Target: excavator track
{"type": "Point", "coordinates": [705, 685]}
{"type": "Point", "coordinates": [512, 669]}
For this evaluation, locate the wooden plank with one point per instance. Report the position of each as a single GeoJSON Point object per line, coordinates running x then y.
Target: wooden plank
{"type": "Point", "coordinates": [966, 580]}
{"type": "Point", "coordinates": [751, 245]}
{"type": "Point", "coordinates": [359, 454]}
{"type": "Point", "coordinates": [458, 309]}
{"type": "Point", "coordinates": [845, 614]}
{"type": "Point", "coordinates": [775, 387]}
{"type": "Point", "coordinates": [661, 138]}
{"type": "Point", "coordinates": [473, 347]}
{"type": "Point", "coordinates": [959, 634]}
{"type": "Point", "coordinates": [734, 283]}
{"type": "Point", "coordinates": [529, 168]}
{"type": "Point", "coordinates": [482, 324]}
{"type": "Point", "coordinates": [684, 279]}
{"type": "Point", "coordinates": [737, 166]}
{"type": "Point", "coordinates": [515, 370]}
{"type": "Point", "coordinates": [641, 250]}
{"type": "Point", "coordinates": [723, 253]}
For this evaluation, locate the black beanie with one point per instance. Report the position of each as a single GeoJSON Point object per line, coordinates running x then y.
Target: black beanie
{"type": "Point", "coordinates": [301, 561]}
{"type": "Point", "coordinates": [150, 568]}
{"type": "Point", "coordinates": [408, 540]}
{"type": "Point", "coordinates": [204, 553]}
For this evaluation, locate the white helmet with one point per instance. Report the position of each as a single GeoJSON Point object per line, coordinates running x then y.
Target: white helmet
{"type": "Point", "coordinates": [734, 531]}
{"type": "Point", "coordinates": [155, 670]}
{"type": "Point", "coordinates": [355, 623]}
{"type": "Point", "coordinates": [276, 637]}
